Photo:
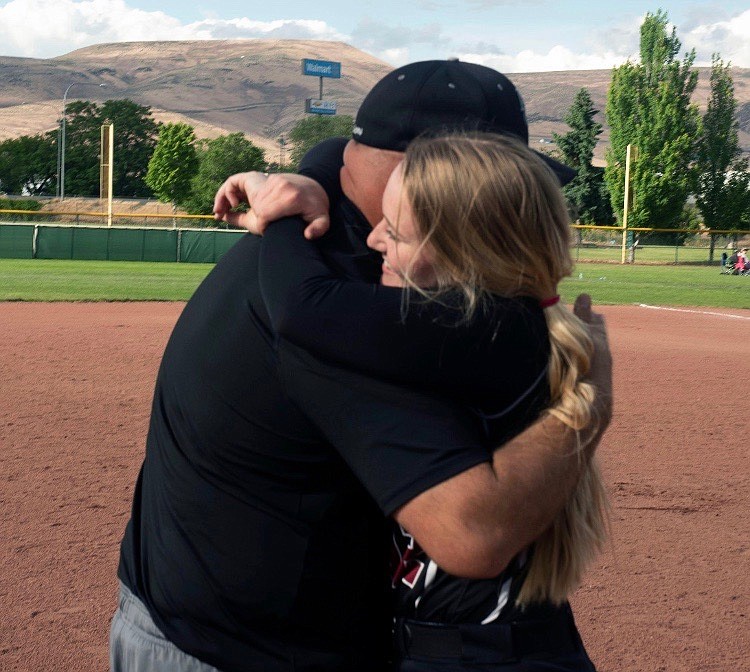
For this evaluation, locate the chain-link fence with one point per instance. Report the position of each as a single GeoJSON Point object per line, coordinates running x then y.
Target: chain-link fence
{"type": "Point", "coordinates": [654, 246]}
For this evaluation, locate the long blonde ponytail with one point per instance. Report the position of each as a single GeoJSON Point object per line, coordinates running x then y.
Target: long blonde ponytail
{"type": "Point", "coordinates": [564, 551]}
{"type": "Point", "coordinates": [495, 219]}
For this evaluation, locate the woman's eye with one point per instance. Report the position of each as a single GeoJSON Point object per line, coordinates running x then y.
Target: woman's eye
{"type": "Point", "coordinates": [390, 234]}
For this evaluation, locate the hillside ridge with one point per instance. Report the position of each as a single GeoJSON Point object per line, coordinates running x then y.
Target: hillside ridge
{"type": "Point", "coordinates": [256, 86]}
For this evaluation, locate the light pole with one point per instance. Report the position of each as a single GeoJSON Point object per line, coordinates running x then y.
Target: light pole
{"type": "Point", "coordinates": [61, 147]}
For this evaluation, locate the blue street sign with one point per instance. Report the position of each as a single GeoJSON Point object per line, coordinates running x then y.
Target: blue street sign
{"type": "Point", "coordinates": [321, 68]}
{"type": "Point", "coordinates": [313, 106]}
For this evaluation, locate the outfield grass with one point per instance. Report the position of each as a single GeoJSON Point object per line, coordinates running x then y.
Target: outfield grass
{"type": "Point", "coordinates": [43, 280]}
{"type": "Point", "coordinates": [658, 285]}
{"type": "Point", "coordinates": [53, 280]}
{"type": "Point", "coordinates": [662, 254]}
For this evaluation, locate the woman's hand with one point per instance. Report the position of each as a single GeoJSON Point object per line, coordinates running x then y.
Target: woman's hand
{"type": "Point", "coordinates": [272, 197]}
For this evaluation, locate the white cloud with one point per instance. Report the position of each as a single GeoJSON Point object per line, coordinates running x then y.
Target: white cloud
{"type": "Point", "coordinates": [397, 56]}
{"type": "Point", "coordinates": [297, 29]}
{"type": "Point", "coordinates": [557, 58]}
{"type": "Point", "coordinates": [45, 28]}
{"type": "Point", "coordinates": [393, 44]}
{"type": "Point", "coordinates": [730, 38]}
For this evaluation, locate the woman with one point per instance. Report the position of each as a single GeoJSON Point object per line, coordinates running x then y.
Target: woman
{"type": "Point", "coordinates": [474, 241]}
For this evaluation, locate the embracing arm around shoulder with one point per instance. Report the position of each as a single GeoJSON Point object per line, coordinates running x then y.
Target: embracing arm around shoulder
{"type": "Point", "coordinates": [475, 522]}
{"type": "Point", "coordinates": [272, 197]}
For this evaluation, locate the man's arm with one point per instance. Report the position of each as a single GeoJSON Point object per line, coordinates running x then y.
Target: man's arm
{"type": "Point", "coordinates": [422, 460]}
{"type": "Point", "coordinates": [474, 523]}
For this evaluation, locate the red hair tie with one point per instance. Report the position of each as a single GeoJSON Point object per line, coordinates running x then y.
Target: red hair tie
{"type": "Point", "coordinates": [546, 303]}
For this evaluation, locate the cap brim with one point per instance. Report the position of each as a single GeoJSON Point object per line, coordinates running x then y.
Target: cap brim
{"type": "Point", "coordinates": [564, 173]}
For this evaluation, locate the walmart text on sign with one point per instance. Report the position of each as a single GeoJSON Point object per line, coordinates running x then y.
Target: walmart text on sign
{"type": "Point", "coordinates": [321, 68]}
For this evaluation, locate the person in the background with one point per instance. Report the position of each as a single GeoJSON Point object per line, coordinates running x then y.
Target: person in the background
{"type": "Point", "coordinates": [743, 261]}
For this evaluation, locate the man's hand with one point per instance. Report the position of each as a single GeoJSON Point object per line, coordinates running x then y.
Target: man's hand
{"type": "Point", "coordinates": [271, 198]}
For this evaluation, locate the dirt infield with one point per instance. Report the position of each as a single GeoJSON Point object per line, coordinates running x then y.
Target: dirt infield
{"type": "Point", "coordinates": [672, 595]}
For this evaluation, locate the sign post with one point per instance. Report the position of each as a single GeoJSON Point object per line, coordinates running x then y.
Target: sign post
{"type": "Point", "coordinates": [321, 69]}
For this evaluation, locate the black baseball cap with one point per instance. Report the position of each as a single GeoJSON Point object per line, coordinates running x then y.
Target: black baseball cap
{"type": "Point", "coordinates": [443, 96]}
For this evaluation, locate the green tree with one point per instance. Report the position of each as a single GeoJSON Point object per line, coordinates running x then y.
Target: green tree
{"type": "Point", "coordinates": [723, 193]}
{"type": "Point", "coordinates": [173, 164]}
{"type": "Point", "coordinates": [311, 130]}
{"type": "Point", "coordinates": [134, 142]}
{"type": "Point", "coordinates": [222, 157]}
{"type": "Point", "coordinates": [28, 165]}
{"type": "Point", "coordinates": [648, 105]}
{"type": "Point", "coordinates": [82, 148]}
{"type": "Point", "coordinates": [586, 193]}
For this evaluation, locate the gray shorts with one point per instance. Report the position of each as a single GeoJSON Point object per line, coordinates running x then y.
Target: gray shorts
{"type": "Point", "coordinates": [137, 645]}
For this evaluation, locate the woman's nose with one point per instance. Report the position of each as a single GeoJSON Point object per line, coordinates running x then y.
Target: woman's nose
{"type": "Point", "coordinates": [376, 239]}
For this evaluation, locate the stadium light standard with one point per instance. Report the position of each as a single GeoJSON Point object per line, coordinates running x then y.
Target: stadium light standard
{"type": "Point", "coordinates": [61, 170]}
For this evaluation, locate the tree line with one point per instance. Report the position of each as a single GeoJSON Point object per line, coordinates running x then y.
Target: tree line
{"type": "Point", "coordinates": [649, 106]}
{"type": "Point", "coordinates": [678, 152]}
{"type": "Point", "coordinates": [167, 161]}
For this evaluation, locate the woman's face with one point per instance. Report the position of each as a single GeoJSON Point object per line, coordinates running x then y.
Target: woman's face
{"type": "Point", "coordinates": [396, 238]}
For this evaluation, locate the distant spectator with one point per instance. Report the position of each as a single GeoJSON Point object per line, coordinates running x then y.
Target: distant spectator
{"type": "Point", "coordinates": [741, 265]}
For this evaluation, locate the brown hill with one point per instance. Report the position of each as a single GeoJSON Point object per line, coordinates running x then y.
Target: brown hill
{"type": "Point", "coordinates": [256, 86]}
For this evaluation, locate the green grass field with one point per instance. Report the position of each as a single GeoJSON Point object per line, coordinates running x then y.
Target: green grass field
{"type": "Point", "coordinates": [660, 254]}
{"type": "Point", "coordinates": [658, 285]}
{"type": "Point", "coordinates": [63, 280]}
{"type": "Point", "coordinates": [42, 280]}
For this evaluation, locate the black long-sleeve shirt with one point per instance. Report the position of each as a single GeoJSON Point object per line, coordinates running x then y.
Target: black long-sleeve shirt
{"type": "Point", "coordinates": [494, 364]}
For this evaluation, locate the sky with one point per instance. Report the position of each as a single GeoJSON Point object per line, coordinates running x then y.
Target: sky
{"type": "Point", "coordinates": [509, 35]}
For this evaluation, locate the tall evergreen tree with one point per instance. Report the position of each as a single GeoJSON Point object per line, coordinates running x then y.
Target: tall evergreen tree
{"type": "Point", "coordinates": [723, 194]}
{"type": "Point", "coordinates": [173, 164]}
{"type": "Point", "coordinates": [648, 105]}
{"type": "Point", "coordinates": [586, 193]}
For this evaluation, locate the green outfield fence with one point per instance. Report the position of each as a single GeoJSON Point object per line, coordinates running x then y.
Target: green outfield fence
{"type": "Point", "coordinates": [85, 236]}
{"type": "Point", "coordinates": [55, 241]}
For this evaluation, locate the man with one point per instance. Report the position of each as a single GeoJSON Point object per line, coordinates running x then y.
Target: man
{"type": "Point", "coordinates": [255, 541]}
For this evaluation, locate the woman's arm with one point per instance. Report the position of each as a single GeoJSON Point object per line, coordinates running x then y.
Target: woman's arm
{"type": "Point", "coordinates": [308, 194]}
{"type": "Point", "coordinates": [363, 327]}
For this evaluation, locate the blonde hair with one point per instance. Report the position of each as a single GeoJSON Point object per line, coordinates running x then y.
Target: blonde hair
{"type": "Point", "coordinates": [494, 219]}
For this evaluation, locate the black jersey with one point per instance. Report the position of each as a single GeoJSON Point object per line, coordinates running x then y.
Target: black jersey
{"type": "Point", "coordinates": [495, 365]}
{"type": "Point", "coordinates": [257, 539]}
